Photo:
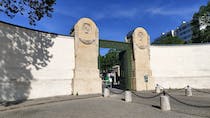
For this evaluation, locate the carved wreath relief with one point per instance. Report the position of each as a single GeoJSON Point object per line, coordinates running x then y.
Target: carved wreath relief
{"type": "Point", "coordinates": [141, 43]}
{"type": "Point", "coordinates": [87, 30]}
{"type": "Point", "coordinates": [140, 36]}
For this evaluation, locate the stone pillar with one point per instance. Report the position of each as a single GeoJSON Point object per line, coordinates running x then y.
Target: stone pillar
{"type": "Point", "coordinates": [188, 91]}
{"type": "Point", "coordinates": [106, 92]}
{"type": "Point", "coordinates": [141, 49]}
{"type": "Point", "coordinates": [165, 103]}
{"type": "Point", "coordinates": [157, 89]}
{"type": "Point", "coordinates": [128, 96]}
{"type": "Point", "coordinates": [86, 74]}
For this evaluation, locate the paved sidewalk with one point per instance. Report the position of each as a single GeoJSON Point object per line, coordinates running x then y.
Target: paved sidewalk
{"type": "Point", "coordinates": [41, 101]}
{"type": "Point", "coordinates": [95, 106]}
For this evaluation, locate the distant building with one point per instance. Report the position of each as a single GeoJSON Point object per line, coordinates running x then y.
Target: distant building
{"type": "Point", "coordinates": [184, 31]}
{"type": "Point", "coordinates": [170, 33]}
{"type": "Point", "coordinates": [204, 21]}
{"type": "Point", "coordinates": [116, 74]}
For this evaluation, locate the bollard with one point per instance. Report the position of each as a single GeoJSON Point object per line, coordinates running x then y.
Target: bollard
{"type": "Point", "coordinates": [106, 92]}
{"type": "Point", "coordinates": [128, 96]}
{"type": "Point", "coordinates": [165, 102]}
{"type": "Point", "coordinates": [157, 89]}
{"type": "Point", "coordinates": [188, 91]}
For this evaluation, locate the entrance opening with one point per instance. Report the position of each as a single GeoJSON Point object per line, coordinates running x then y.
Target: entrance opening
{"type": "Point", "coordinates": [115, 64]}
{"type": "Point", "coordinates": [109, 65]}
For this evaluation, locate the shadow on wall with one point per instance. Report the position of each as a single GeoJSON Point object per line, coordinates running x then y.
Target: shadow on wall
{"type": "Point", "coordinates": [20, 51]}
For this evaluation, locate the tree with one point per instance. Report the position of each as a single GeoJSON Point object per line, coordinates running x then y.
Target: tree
{"type": "Point", "coordinates": [169, 40]}
{"type": "Point", "coordinates": [206, 34]}
{"type": "Point", "coordinates": [35, 10]}
{"type": "Point", "coordinates": [109, 60]}
{"type": "Point", "coordinates": [201, 17]}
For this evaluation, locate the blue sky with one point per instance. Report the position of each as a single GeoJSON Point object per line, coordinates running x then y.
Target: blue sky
{"type": "Point", "coordinates": [115, 18]}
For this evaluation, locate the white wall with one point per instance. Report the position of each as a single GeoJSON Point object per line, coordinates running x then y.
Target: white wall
{"type": "Point", "coordinates": [56, 78]}
{"type": "Point", "coordinates": [34, 64]}
{"type": "Point", "coordinates": [178, 66]}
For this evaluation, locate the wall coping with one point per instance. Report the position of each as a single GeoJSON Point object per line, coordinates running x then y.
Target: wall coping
{"type": "Point", "coordinates": [32, 29]}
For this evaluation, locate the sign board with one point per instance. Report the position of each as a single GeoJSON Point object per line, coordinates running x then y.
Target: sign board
{"type": "Point", "coordinates": [146, 78]}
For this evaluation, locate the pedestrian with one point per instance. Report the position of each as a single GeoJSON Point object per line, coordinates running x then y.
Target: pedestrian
{"type": "Point", "coordinates": [110, 81]}
{"type": "Point", "coordinates": [107, 80]}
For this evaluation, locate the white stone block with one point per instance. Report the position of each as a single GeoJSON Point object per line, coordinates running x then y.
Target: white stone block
{"type": "Point", "coordinates": [157, 89]}
{"type": "Point", "coordinates": [128, 96]}
{"type": "Point", "coordinates": [165, 103]}
{"type": "Point", "coordinates": [106, 92]}
{"type": "Point", "coordinates": [188, 91]}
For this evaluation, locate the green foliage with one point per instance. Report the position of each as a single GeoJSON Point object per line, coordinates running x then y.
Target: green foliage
{"type": "Point", "coordinates": [109, 60]}
{"type": "Point", "coordinates": [35, 10]}
{"type": "Point", "coordinates": [206, 34]}
{"type": "Point", "coordinates": [169, 40]}
{"type": "Point", "coordinates": [201, 36]}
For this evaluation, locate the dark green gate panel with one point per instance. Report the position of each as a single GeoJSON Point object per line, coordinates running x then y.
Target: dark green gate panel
{"type": "Point", "coordinates": [114, 44]}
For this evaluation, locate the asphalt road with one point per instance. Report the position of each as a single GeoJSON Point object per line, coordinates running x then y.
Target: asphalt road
{"type": "Point", "coordinates": [115, 107]}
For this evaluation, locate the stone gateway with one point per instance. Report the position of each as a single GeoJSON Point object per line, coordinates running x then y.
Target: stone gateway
{"type": "Point", "coordinates": [36, 64]}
